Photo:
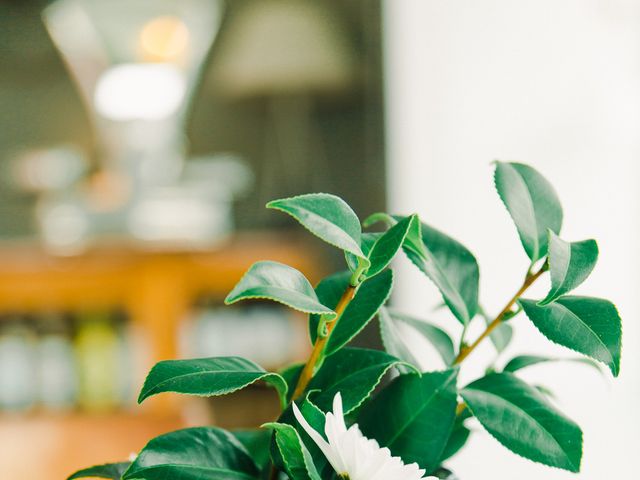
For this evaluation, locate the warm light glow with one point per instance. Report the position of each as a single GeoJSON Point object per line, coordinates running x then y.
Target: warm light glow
{"type": "Point", "coordinates": [140, 91]}
{"type": "Point", "coordinates": [164, 38]}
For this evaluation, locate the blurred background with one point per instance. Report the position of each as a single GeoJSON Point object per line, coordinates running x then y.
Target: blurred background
{"type": "Point", "coordinates": [140, 140]}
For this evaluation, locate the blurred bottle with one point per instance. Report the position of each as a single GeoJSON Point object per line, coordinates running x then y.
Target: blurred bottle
{"type": "Point", "coordinates": [261, 333]}
{"type": "Point", "coordinates": [126, 371]}
{"type": "Point", "coordinates": [58, 382]}
{"type": "Point", "coordinates": [18, 373]}
{"type": "Point", "coordinates": [97, 351]}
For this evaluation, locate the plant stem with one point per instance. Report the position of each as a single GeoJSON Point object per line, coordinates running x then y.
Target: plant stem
{"type": "Point", "coordinates": [495, 323]}
{"type": "Point", "coordinates": [318, 347]}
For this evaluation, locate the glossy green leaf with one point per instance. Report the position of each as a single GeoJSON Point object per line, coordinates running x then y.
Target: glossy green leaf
{"type": "Point", "coordinates": [440, 339]}
{"type": "Point", "coordinates": [326, 216]}
{"type": "Point", "coordinates": [112, 471]}
{"type": "Point", "coordinates": [296, 458]}
{"type": "Point", "coordinates": [280, 283]}
{"type": "Point", "coordinates": [256, 442]}
{"type": "Point", "coordinates": [371, 295]}
{"type": "Point", "coordinates": [200, 453]}
{"type": "Point", "coordinates": [532, 203]}
{"type": "Point", "coordinates": [207, 377]}
{"type": "Point", "coordinates": [355, 372]}
{"type": "Point", "coordinates": [569, 265]}
{"type": "Point", "coordinates": [387, 245]}
{"type": "Point", "coordinates": [520, 418]}
{"type": "Point", "coordinates": [524, 361]}
{"type": "Point", "coordinates": [451, 267]}
{"type": "Point", "coordinates": [329, 291]}
{"type": "Point", "coordinates": [588, 325]}
{"type": "Point", "coordinates": [413, 416]}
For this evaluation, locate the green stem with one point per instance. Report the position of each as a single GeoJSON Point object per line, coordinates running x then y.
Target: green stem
{"type": "Point", "coordinates": [528, 281]}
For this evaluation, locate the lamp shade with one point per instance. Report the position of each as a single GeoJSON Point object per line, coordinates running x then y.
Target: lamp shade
{"type": "Point", "coordinates": [283, 46]}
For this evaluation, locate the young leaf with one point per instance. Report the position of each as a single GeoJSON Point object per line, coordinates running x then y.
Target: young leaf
{"type": "Point", "coordinates": [413, 416]}
{"type": "Point", "coordinates": [387, 245]}
{"type": "Point", "coordinates": [355, 372]}
{"type": "Point", "coordinates": [520, 418]}
{"type": "Point", "coordinates": [367, 242]}
{"type": "Point", "coordinates": [112, 471]}
{"type": "Point", "coordinates": [435, 335]}
{"type": "Point", "coordinates": [208, 377]}
{"type": "Point", "coordinates": [296, 458]}
{"type": "Point", "coordinates": [590, 326]}
{"type": "Point", "coordinates": [193, 454]}
{"type": "Point", "coordinates": [451, 267]}
{"type": "Point", "coordinates": [329, 291]}
{"type": "Point", "coordinates": [280, 283]}
{"type": "Point", "coordinates": [569, 265]}
{"type": "Point", "coordinates": [532, 203]}
{"type": "Point", "coordinates": [501, 336]}
{"type": "Point", "coordinates": [524, 361]}
{"type": "Point", "coordinates": [326, 216]}
{"type": "Point", "coordinates": [371, 295]}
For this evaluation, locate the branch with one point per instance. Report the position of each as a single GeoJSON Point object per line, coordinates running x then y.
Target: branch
{"type": "Point", "coordinates": [318, 347]}
{"type": "Point", "coordinates": [495, 323]}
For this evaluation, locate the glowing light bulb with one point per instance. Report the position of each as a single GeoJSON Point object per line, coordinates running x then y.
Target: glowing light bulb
{"type": "Point", "coordinates": [164, 38]}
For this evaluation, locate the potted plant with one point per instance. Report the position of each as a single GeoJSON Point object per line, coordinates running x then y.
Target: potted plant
{"type": "Point", "coordinates": [341, 417]}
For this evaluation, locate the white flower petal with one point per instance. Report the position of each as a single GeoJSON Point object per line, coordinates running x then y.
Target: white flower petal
{"type": "Point", "coordinates": [351, 453]}
{"type": "Point", "coordinates": [315, 436]}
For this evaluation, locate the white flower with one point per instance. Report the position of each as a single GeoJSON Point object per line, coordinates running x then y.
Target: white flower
{"type": "Point", "coordinates": [354, 456]}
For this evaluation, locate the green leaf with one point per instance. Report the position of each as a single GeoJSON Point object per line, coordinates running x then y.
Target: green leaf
{"type": "Point", "coordinates": [256, 442]}
{"type": "Point", "coordinates": [208, 377]}
{"type": "Point", "coordinates": [524, 361]}
{"type": "Point", "coordinates": [326, 216]}
{"type": "Point", "coordinates": [367, 242]}
{"type": "Point", "coordinates": [435, 335]}
{"type": "Point", "coordinates": [371, 295]}
{"type": "Point", "coordinates": [316, 419]}
{"type": "Point", "coordinates": [112, 471]}
{"type": "Point", "coordinates": [569, 265]}
{"type": "Point", "coordinates": [501, 336]}
{"type": "Point", "coordinates": [393, 341]}
{"type": "Point", "coordinates": [280, 283]}
{"type": "Point", "coordinates": [387, 245]}
{"type": "Point", "coordinates": [451, 267]}
{"type": "Point", "coordinates": [590, 326]}
{"type": "Point", "coordinates": [291, 375]}
{"type": "Point", "coordinates": [458, 438]}
{"type": "Point", "coordinates": [355, 372]}
{"type": "Point", "coordinates": [296, 458]}
{"type": "Point", "coordinates": [329, 291]}
{"type": "Point", "coordinates": [413, 416]}
{"type": "Point", "coordinates": [200, 453]}
{"type": "Point", "coordinates": [520, 418]}
{"type": "Point", "coordinates": [532, 203]}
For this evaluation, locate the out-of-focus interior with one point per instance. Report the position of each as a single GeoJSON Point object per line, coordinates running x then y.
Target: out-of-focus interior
{"type": "Point", "coordinates": [141, 139]}
{"type": "Point", "coordinates": [139, 142]}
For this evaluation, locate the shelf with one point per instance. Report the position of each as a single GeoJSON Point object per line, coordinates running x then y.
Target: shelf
{"type": "Point", "coordinates": [52, 446]}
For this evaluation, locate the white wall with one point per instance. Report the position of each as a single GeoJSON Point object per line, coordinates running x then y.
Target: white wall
{"type": "Point", "coordinates": [553, 83]}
